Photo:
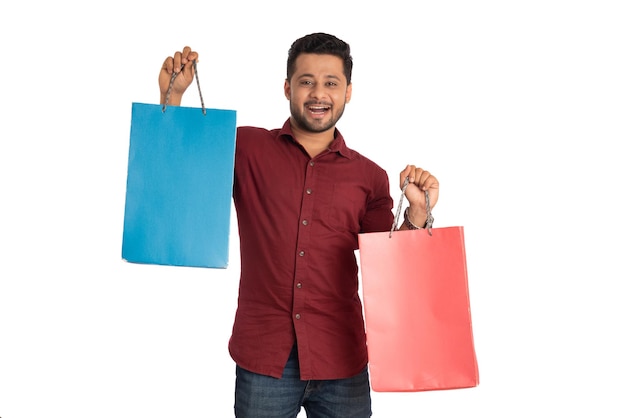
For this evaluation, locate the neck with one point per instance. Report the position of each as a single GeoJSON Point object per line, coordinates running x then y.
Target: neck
{"type": "Point", "coordinates": [313, 142]}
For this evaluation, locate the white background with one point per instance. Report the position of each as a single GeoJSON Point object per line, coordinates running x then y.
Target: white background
{"type": "Point", "coordinates": [517, 106]}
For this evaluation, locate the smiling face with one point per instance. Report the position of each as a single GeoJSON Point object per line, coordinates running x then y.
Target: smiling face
{"type": "Point", "coordinates": [318, 92]}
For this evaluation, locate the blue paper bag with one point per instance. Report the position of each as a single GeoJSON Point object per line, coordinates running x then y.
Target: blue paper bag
{"type": "Point", "coordinates": [179, 186]}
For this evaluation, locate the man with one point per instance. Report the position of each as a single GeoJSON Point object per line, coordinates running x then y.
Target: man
{"type": "Point", "coordinates": [302, 197]}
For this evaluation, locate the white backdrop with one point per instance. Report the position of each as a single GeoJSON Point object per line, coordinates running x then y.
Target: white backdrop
{"type": "Point", "coordinates": [517, 107]}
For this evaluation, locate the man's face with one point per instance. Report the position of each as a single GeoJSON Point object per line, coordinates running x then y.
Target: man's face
{"type": "Point", "coordinates": [318, 92]}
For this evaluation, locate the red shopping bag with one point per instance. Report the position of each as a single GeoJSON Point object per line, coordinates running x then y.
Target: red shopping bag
{"type": "Point", "coordinates": [417, 310]}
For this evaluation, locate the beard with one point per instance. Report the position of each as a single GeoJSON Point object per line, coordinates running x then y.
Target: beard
{"type": "Point", "coordinates": [315, 125]}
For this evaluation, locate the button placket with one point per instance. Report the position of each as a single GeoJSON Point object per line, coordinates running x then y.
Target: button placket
{"type": "Point", "coordinates": [304, 237]}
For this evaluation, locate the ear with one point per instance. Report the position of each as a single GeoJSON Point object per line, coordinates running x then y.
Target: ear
{"type": "Point", "coordinates": [348, 93]}
{"type": "Point", "coordinates": [287, 89]}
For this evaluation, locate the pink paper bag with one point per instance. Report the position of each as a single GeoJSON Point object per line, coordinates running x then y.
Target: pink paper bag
{"type": "Point", "coordinates": [417, 310]}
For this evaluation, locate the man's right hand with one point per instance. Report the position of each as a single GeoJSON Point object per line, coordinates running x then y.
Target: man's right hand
{"type": "Point", "coordinates": [180, 63]}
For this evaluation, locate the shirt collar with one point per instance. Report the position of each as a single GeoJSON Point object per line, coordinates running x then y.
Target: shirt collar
{"type": "Point", "coordinates": [338, 145]}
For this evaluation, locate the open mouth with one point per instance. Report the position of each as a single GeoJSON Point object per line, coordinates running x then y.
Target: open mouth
{"type": "Point", "coordinates": [318, 110]}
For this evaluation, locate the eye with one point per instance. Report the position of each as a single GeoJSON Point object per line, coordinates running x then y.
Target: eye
{"type": "Point", "coordinates": [306, 83]}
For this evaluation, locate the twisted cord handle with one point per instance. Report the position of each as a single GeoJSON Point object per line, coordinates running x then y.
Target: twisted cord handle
{"type": "Point", "coordinates": [169, 88]}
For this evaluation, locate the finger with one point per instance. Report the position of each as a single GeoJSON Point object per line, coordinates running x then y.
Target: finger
{"type": "Point", "coordinates": [168, 65]}
{"type": "Point", "coordinates": [188, 70]}
{"type": "Point", "coordinates": [184, 57]}
{"type": "Point", "coordinates": [406, 173]}
{"type": "Point", "coordinates": [178, 56]}
{"type": "Point", "coordinates": [422, 178]}
{"type": "Point", "coordinates": [429, 181]}
{"type": "Point", "coordinates": [188, 55]}
{"type": "Point", "coordinates": [418, 175]}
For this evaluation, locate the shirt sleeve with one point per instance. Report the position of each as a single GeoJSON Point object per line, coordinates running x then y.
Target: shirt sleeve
{"type": "Point", "coordinates": [378, 214]}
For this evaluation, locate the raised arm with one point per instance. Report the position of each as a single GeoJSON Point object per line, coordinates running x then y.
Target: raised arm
{"type": "Point", "coordinates": [180, 63]}
{"type": "Point", "coordinates": [419, 181]}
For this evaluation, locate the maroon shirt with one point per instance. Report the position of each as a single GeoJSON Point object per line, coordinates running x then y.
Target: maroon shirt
{"type": "Point", "coordinates": [299, 219]}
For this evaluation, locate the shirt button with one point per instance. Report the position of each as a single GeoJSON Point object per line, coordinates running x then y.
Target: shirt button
{"type": "Point", "coordinates": [297, 316]}
{"type": "Point", "coordinates": [301, 253]}
{"type": "Point", "coordinates": [309, 191]}
{"type": "Point", "coordinates": [305, 222]}
{"type": "Point", "coordinates": [312, 163]}
{"type": "Point", "coordinates": [299, 285]}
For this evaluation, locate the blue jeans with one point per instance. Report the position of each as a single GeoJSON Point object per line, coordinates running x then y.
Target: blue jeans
{"type": "Point", "coordinates": [259, 396]}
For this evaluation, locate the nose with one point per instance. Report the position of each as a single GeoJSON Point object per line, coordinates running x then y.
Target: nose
{"type": "Point", "coordinates": [318, 92]}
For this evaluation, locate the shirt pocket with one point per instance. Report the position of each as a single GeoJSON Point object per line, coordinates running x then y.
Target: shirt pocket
{"type": "Point", "coordinates": [343, 206]}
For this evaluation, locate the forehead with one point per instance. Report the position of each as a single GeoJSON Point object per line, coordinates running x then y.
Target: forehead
{"type": "Point", "coordinates": [319, 65]}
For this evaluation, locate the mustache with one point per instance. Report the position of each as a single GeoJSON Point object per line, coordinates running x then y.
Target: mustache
{"type": "Point", "coordinates": [317, 103]}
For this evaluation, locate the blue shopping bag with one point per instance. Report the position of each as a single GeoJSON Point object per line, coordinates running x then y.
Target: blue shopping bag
{"type": "Point", "coordinates": [179, 186]}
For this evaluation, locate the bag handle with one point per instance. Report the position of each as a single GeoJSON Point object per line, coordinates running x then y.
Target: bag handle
{"type": "Point", "coordinates": [429, 215]}
{"type": "Point", "coordinates": [169, 89]}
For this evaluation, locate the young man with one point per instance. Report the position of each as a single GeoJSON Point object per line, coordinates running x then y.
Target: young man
{"type": "Point", "coordinates": [302, 197]}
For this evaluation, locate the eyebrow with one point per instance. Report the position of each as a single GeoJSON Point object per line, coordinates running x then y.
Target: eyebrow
{"type": "Point", "coordinates": [332, 76]}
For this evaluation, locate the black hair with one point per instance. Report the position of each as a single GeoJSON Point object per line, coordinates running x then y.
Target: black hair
{"type": "Point", "coordinates": [320, 43]}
